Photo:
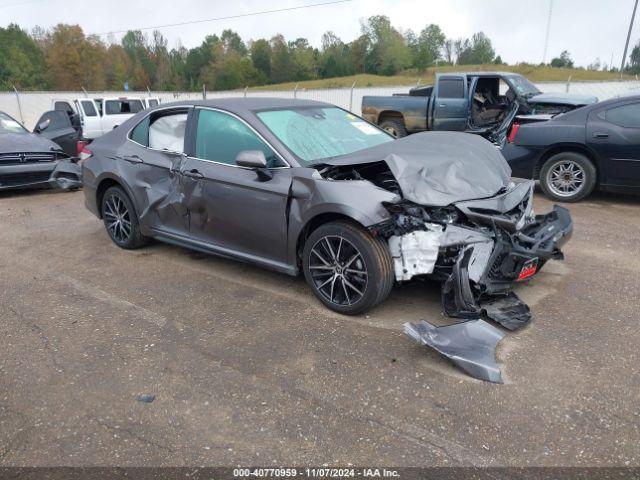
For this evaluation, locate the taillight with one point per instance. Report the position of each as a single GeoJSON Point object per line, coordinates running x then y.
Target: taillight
{"type": "Point", "coordinates": [80, 144]}
{"type": "Point", "coordinates": [85, 153]}
{"type": "Point", "coordinates": [514, 131]}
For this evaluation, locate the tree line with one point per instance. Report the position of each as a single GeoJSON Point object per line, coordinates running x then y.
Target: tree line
{"type": "Point", "coordinates": [65, 58]}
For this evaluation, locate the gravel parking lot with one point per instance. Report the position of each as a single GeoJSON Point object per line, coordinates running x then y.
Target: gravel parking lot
{"type": "Point", "coordinates": [248, 368]}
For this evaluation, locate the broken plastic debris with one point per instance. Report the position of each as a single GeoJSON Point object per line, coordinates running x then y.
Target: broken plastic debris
{"type": "Point", "coordinates": [470, 345]}
{"type": "Point", "coordinates": [146, 398]}
{"type": "Point", "coordinates": [508, 310]}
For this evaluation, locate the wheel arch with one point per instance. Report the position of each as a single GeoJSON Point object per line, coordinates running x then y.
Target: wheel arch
{"type": "Point", "coordinates": [316, 222]}
{"type": "Point", "coordinates": [107, 182]}
{"type": "Point", "coordinates": [390, 115]}
{"type": "Point", "coordinates": [567, 147]}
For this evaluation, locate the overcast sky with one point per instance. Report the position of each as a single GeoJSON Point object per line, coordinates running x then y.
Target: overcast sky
{"type": "Point", "coordinates": [587, 28]}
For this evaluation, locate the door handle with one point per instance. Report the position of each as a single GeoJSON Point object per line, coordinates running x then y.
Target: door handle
{"type": "Point", "coordinates": [442, 105]}
{"type": "Point", "coordinates": [193, 173]}
{"type": "Point", "coordinates": [600, 135]}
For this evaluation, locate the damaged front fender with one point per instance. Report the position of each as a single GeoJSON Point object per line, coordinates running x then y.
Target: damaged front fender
{"type": "Point", "coordinates": [312, 196]}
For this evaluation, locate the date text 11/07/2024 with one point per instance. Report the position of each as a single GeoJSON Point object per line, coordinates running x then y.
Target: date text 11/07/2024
{"type": "Point", "coordinates": [315, 472]}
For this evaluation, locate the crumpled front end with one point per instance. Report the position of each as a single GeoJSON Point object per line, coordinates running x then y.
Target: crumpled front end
{"type": "Point", "coordinates": [458, 217]}
{"type": "Point", "coordinates": [480, 250]}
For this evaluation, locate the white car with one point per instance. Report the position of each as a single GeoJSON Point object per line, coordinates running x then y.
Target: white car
{"type": "Point", "coordinates": [151, 102]}
{"type": "Point", "coordinates": [100, 115]}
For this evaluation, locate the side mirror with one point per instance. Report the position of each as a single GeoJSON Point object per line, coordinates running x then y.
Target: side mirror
{"type": "Point", "coordinates": [251, 159]}
{"type": "Point", "coordinates": [256, 160]}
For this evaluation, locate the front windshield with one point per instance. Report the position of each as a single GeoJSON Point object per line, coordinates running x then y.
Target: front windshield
{"type": "Point", "coordinates": [523, 86]}
{"type": "Point", "coordinates": [317, 133]}
{"type": "Point", "coordinates": [9, 125]}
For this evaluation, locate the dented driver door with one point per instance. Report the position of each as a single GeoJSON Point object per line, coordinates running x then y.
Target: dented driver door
{"type": "Point", "coordinates": [236, 210]}
{"type": "Point", "coordinates": [151, 162]}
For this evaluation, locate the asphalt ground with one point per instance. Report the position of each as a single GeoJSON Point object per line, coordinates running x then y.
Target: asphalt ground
{"type": "Point", "coordinates": [247, 368]}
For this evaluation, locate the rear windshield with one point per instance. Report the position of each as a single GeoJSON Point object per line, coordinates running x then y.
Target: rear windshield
{"type": "Point", "coordinates": [313, 134]}
{"type": "Point", "coordinates": [117, 107]}
{"type": "Point", "coordinates": [9, 125]}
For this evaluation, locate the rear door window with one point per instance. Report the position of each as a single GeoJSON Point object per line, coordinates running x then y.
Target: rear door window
{"type": "Point", "coordinates": [122, 107]}
{"type": "Point", "coordinates": [163, 130]}
{"type": "Point", "coordinates": [140, 134]}
{"type": "Point", "coordinates": [627, 116]}
{"type": "Point", "coordinates": [167, 132]}
{"type": "Point", "coordinates": [451, 88]}
{"type": "Point", "coordinates": [89, 108]}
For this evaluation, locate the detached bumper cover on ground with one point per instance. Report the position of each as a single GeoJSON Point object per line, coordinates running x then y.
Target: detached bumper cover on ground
{"type": "Point", "coordinates": [470, 345]}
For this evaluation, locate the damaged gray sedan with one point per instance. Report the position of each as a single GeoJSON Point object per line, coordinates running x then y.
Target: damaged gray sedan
{"type": "Point", "coordinates": [302, 186]}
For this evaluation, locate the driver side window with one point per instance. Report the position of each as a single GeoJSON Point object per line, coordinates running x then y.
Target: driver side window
{"type": "Point", "coordinates": [221, 137]}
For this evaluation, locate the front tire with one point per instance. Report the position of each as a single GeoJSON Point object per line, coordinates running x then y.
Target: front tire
{"type": "Point", "coordinates": [568, 177]}
{"type": "Point", "coordinates": [120, 219]}
{"type": "Point", "coordinates": [348, 269]}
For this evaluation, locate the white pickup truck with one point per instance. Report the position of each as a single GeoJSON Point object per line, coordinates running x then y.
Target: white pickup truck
{"type": "Point", "coordinates": [100, 115]}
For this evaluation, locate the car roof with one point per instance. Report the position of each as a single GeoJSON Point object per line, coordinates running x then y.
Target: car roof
{"type": "Point", "coordinates": [482, 74]}
{"type": "Point", "coordinates": [611, 101]}
{"type": "Point", "coordinates": [248, 104]}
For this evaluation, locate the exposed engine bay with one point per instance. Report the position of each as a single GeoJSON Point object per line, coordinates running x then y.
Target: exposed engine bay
{"type": "Point", "coordinates": [478, 243]}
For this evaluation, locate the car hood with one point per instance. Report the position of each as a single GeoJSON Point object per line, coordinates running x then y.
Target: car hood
{"type": "Point", "coordinates": [25, 142]}
{"type": "Point", "coordinates": [439, 168]}
{"type": "Point", "coordinates": [563, 99]}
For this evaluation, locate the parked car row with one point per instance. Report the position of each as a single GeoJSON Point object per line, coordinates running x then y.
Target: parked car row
{"type": "Point", "coordinates": [572, 144]}
{"type": "Point", "coordinates": [32, 160]}
{"type": "Point", "coordinates": [595, 147]}
{"type": "Point", "coordinates": [484, 103]}
{"type": "Point", "coordinates": [48, 156]}
{"type": "Point", "coordinates": [96, 116]}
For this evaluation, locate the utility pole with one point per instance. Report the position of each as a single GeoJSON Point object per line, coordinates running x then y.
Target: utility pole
{"type": "Point", "coordinates": [611, 62]}
{"type": "Point", "coordinates": [546, 38]}
{"type": "Point", "coordinates": [626, 45]}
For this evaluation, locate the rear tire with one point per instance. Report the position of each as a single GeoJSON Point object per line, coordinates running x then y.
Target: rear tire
{"type": "Point", "coordinates": [120, 219]}
{"type": "Point", "coordinates": [348, 269]}
{"type": "Point", "coordinates": [395, 127]}
{"type": "Point", "coordinates": [568, 177]}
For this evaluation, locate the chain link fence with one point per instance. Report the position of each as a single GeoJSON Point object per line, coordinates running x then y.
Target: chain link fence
{"type": "Point", "coordinates": [27, 107]}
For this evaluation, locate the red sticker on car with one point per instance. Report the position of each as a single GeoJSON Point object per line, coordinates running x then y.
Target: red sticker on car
{"type": "Point", "coordinates": [529, 269]}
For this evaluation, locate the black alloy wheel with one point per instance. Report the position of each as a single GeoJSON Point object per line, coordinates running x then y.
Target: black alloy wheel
{"type": "Point", "coordinates": [120, 219]}
{"type": "Point", "coordinates": [338, 270]}
{"type": "Point", "coordinates": [348, 269]}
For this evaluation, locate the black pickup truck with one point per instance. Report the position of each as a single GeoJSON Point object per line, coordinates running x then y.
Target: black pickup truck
{"type": "Point", "coordinates": [486, 103]}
